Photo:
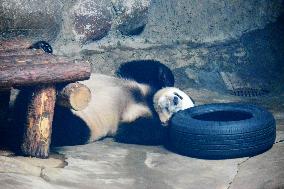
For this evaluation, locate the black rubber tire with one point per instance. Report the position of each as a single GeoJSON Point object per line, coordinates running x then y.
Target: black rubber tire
{"type": "Point", "coordinates": [222, 131]}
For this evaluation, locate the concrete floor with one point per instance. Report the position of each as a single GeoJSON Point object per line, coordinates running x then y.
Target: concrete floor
{"type": "Point", "coordinates": [110, 165]}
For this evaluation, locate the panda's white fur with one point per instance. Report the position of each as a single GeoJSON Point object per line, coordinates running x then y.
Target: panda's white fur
{"type": "Point", "coordinates": [115, 101]}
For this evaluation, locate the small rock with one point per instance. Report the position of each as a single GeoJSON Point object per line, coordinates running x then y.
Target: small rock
{"type": "Point", "coordinates": [132, 15]}
{"type": "Point", "coordinates": [92, 19]}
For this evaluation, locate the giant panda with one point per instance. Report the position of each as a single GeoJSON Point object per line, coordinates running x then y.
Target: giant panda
{"type": "Point", "coordinates": [129, 111]}
{"type": "Point", "coordinates": [121, 108]}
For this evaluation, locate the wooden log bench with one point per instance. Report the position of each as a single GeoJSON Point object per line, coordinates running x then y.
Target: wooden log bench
{"type": "Point", "coordinates": [49, 77]}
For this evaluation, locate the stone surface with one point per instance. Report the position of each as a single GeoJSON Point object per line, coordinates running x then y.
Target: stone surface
{"type": "Point", "coordinates": [167, 22]}
{"type": "Point", "coordinates": [132, 15]}
{"type": "Point", "coordinates": [206, 21]}
{"type": "Point", "coordinates": [108, 164]}
{"type": "Point", "coordinates": [26, 172]}
{"type": "Point", "coordinates": [17, 181]}
{"type": "Point", "coordinates": [171, 23]}
{"type": "Point", "coordinates": [199, 41]}
{"type": "Point", "coordinates": [92, 19]}
{"type": "Point", "coordinates": [266, 169]}
{"type": "Point", "coordinates": [254, 60]}
{"type": "Point", "coordinates": [131, 166]}
{"type": "Point", "coordinates": [38, 20]}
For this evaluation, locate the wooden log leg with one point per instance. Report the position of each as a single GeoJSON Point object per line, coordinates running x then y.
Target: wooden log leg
{"type": "Point", "coordinates": [4, 105]}
{"type": "Point", "coordinates": [39, 122]}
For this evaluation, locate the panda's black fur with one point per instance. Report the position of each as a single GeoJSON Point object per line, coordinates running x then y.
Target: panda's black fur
{"type": "Point", "coordinates": [150, 72]}
{"type": "Point", "coordinates": [46, 47]}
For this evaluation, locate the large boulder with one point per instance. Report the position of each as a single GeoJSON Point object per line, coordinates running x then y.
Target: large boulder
{"type": "Point", "coordinates": [132, 15]}
{"type": "Point", "coordinates": [92, 19]}
{"type": "Point", "coordinates": [39, 19]}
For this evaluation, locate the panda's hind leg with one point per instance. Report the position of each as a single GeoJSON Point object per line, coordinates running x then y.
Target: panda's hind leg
{"type": "Point", "coordinates": [134, 111]}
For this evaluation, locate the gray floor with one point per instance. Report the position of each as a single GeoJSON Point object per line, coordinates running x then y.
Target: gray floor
{"type": "Point", "coordinates": [107, 164]}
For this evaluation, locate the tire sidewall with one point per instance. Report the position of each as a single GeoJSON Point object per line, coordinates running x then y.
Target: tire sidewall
{"type": "Point", "coordinates": [259, 120]}
{"type": "Point", "coordinates": [221, 139]}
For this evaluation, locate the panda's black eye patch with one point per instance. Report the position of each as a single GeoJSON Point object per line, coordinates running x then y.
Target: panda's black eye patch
{"type": "Point", "coordinates": [175, 100]}
{"type": "Point", "coordinates": [178, 95]}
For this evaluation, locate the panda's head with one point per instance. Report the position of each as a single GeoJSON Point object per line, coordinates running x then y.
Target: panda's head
{"type": "Point", "coordinates": [170, 100]}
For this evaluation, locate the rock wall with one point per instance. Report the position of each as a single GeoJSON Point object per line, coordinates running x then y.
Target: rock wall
{"type": "Point", "coordinates": [198, 39]}
{"type": "Point", "coordinates": [156, 21]}
{"type": "Point", "coordinates": [204, 21]}
{"type": "Point", "coordinates": [34, 19]}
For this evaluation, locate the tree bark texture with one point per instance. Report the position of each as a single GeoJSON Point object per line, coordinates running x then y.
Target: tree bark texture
{"type": "Point", "coordinates": [34, 74]}
{"type": "Point", "coordinates": [20, 52]}
{"type": "Point", "coordinates": [74, 95]}
{"type": "Point", "coordinates": [6, 61]}
{"type": "Point", "coordinates": [39, 122]}
{"type": "Point", "coordinates": [16, 43]}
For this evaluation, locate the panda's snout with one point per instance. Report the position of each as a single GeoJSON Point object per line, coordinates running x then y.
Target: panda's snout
{"type": "Point", "coordinates": [175, 100]}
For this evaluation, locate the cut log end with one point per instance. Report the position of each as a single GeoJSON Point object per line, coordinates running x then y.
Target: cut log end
{"type": "Point", "coordinates": [75, 96]}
